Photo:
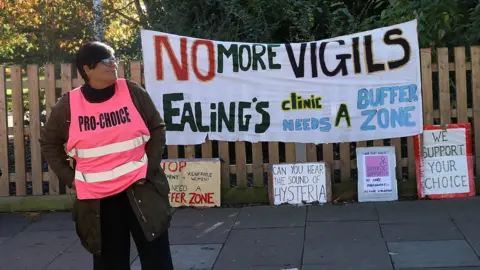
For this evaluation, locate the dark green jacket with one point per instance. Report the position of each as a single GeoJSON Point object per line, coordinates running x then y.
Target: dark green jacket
{"type": "Point", "coordinates": [148, 197]}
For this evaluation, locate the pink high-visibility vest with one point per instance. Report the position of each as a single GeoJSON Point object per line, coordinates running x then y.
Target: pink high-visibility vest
{"type": "Point", "coordinates": [107, 141]}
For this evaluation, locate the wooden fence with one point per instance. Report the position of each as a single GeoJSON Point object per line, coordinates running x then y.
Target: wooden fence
{"type": "Point", "coordinates": [451, 94]}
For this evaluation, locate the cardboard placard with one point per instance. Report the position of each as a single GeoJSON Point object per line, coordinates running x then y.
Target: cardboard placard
{"type": "Point", "coordinates": [376, 174]}
{"type": "Point", "coordinates": [193, 182]}
{"type": "Point", "coordinates": [444, 162]}
{"type": "Point", "coordinates": [299, 183]}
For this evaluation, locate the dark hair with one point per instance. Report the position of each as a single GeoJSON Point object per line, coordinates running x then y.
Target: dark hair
{"type": "Point", "coordinates": [91, 54]}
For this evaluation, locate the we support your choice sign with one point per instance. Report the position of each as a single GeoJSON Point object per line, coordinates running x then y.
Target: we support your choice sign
{"type": "Point", "coordinates": [358, 87]}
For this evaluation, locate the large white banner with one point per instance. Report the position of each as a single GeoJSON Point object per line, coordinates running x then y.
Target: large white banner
{"type": "Point", "coordinates": [364, 86]}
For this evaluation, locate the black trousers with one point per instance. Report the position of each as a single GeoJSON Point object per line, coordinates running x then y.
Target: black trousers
{"type": "Point", "coordinates": [117, 222]}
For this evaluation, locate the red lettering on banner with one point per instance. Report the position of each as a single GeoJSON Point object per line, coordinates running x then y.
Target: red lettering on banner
{"type": "Point", "coordinates": [211, 60]}
{"type": "Point", "coordinates": [180, 68]}
{"type": "Point", "coordinates": [178, 197]}
{"type": "Point", "coordinates": [173, 166]}
{"type": "Point", "coordinates": [181, 71]}
{"type": "Point", "coordinates": [197, 198]}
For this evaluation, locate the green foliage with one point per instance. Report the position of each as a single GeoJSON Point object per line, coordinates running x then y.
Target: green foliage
{"type": "Point", "coordinates": [50, 31]}
{"type": "Point", "coordinates": [441, 22]}
{"type": "Point", "coordinates": [271, 21]}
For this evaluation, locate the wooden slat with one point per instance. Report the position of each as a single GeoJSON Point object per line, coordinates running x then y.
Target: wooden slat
{"type": "Point", "coordinates": [189, 151]}
{"type": "Point", "coordinates": [362, 144]}
{"type": "Point", "coordinates": [411, 156]}
{"type": "Point", "coordinates": [311, 152]}
{"type": "Point", "coordinates": [50, 100]}
{"type": "Point", "coordinates": [241, 164]}
{"type": "Point", "coordinates": [427, 88]}
{"type": "Point", "coordinates": [475, 55]}
{"type": "Point", "coordinates": [257, 160]}
{"type": "Point", "coordinates": [4, 174]}
{"type": "Point", "coordinates": [290, 153]}
{"type": "Point", "coordinates": [444, 86]}
{"type": "Point", "coordinates": [19, 138]}
{"type": "Point", "coordinates": [397, 143]}
{"type": "Point", "coordinates": [34, 109]}
{"type": "Point", "coordinates": [223, 153]}
{"type": "Point", "coordinates": [461, 85]}
{"type": "Point", "coordinates": [207, 149]}
{"type": "Point", "coordinates": [121, 70]}
{"type": "Point", "coordinates": [273, 153]}
{"type": "Point", "coordinates": [378, 143]}
{"type": "Point", "coordinates": [66, 77]}
{"type": "Point", "coordinates": [172, 151]}
{"type": "Point", "coordinates": [451, 67]}
{"type": "Point", "coordinates": [345, 173]}
{"type": "Point", "coordinates": [136, 71]}
{"type": "Point", "coordinates": [328, 157]}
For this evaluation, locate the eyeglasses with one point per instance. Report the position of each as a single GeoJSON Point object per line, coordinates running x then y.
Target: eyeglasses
{"type": "Point", "coordinates": [110, 61]}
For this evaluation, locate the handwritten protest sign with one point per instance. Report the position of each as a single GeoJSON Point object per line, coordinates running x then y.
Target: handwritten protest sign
{"type": "Point", "coordinates": [300, 183]}
{"type": "Point", "coordinates": [193, 182]}
{"type": "Point", "coordinates": [376, 174]}
{"type": "Point", "coordinates": [359, 87]}
{"type": "Point", "coordinates": [444, 162]}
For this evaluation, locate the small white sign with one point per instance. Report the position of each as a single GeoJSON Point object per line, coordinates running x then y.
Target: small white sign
{"type": "Point", "coordinates": [300, 183]}
{"type": "Point", "coordinates": [376, 174]}
{"type": "Point", "coordinates": [445, 164]}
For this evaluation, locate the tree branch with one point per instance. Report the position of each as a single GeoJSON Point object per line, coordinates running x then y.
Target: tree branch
{"type": "Point", "coordinates": [143, 18]}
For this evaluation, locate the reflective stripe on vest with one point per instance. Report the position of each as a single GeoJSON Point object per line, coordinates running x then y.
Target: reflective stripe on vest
{"type": "Point", "coordinates": [112, 174]}
{"type": "Point", "coordinates": [109, 149]}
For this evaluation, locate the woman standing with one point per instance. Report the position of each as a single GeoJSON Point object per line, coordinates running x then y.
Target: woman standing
{"type": "Point", "coordinates": [116, 137]}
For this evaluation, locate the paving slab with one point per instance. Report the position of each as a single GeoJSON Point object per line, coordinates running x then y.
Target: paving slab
{"type": "Point", "coordinates": [372, 255]}
{"type": "Point", "coordinates": [347, 212]}
{"type": "Point", "coordinates": [12, 223]}
{"type": "Point", "coordinates": [412, 211]}
{"type": "Point", "coordinates": [77, 258]}
{"type": "Point", "coordinates": [247, 248]}
{"type": "Point", "coordinates": [208, 226]}
{"type": "Point", "coordinates": [57, 221]}
{"type": "Point", "coordinates": [442, 230]}
{"type": "Point", "coordinates": [204, 218]}
{"type": "Point", "coordinates": [189, 257]}
{"type": "Point", "coordinates": [3, 239]}
{"type": "Point", "coordinates": [74, 258]}
{"type": "Point", "coordinates": [271, 217]}
{"type": "Point", "coordinates": [463, 209]}
{"type": "Point", "coordinates": [442, 268]}
{"type": "Point", "coordinates": [191, 236]}
{"type": "Point", "coordinates": [470, 229]}
{"type": "Point", "coordinates": [352, 266]}
{"type": "Point", "coordinates": [34, 250]}
{"type": "Point", "coordinates": [335, 245]}
{"type": "Point", "coordinates": [342, 232]}
{"type": "Point", "coordinates": [272, 267]}
{"type": "Point", "coordinates": [451, 253]}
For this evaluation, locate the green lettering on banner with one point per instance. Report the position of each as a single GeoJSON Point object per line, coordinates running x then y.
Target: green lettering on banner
{"type": "Point", "coordinates": [220, 116]}
{"type": "Point", "coordinates": [343, 113]}
{"type": "Point", "coordinates": [247, 57]}
{"type": "Point", "coordinates": [232, 51]}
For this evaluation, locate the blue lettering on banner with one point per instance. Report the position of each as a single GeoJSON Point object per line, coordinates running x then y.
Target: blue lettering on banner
{"type": "Point", "coordinates": [307, 124]}
{"type": "Point", "coordinates": [387, 118]}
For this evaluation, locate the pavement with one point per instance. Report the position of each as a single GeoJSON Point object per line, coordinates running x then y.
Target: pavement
{"type": "Point", "coordinates": [443, 234]}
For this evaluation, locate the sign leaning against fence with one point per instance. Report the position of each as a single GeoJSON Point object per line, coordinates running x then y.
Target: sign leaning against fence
{"type": "Point", "coordinates": [364, 86]}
